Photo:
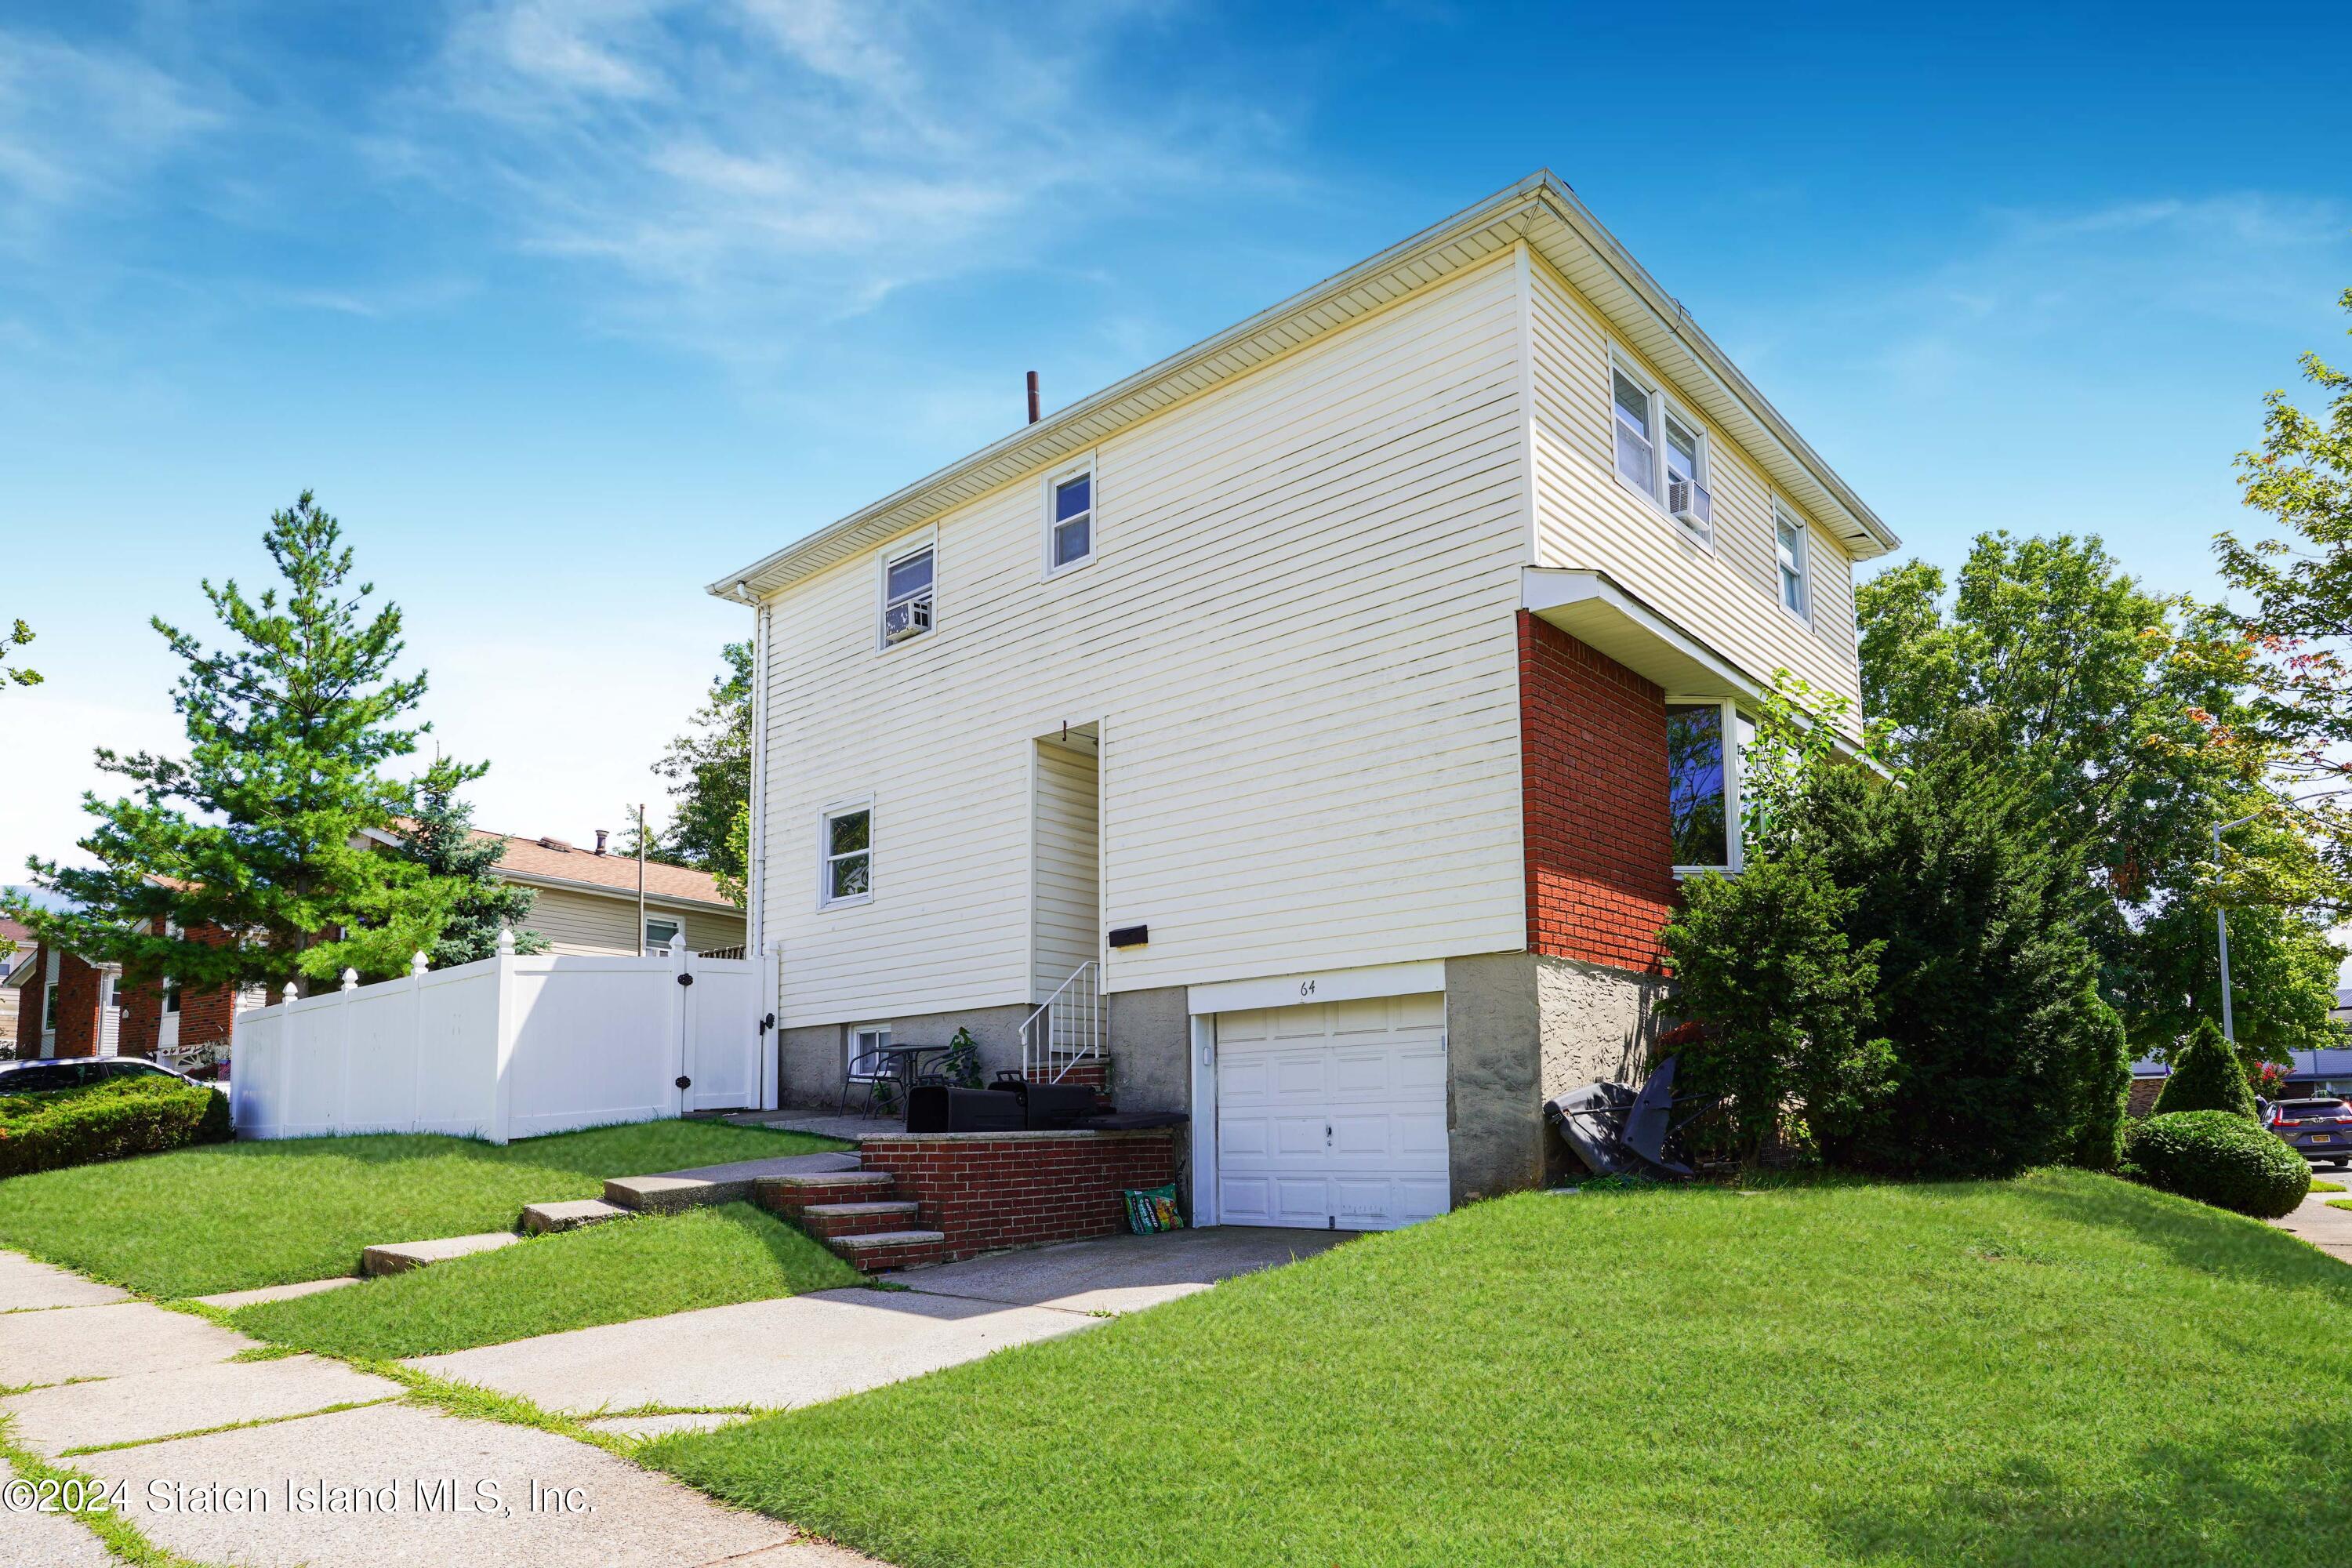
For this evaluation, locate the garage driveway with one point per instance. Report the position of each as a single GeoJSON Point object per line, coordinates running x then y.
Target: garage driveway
{"type": "Point", "coordinates": [804, 1350]}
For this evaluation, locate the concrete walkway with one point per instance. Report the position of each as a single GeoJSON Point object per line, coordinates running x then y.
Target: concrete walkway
{"type": "Point", "coordinates": [2330, 1230]}
{"type": "Point", "coordinates": [804, 1350]}
{"type": "Point", "coordinates": [333, 1469]}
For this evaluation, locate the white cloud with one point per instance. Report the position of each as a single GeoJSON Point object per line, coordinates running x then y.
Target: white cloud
{"type": "Point", "coordinates": [738, 173]}
{"type": "Point", "coordinates": [77, 125]}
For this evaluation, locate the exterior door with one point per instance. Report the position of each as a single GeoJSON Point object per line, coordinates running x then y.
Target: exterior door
{"type": "Point", "coordinates": [1332, 1116]}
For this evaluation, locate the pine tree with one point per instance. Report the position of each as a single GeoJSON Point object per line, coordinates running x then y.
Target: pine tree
{"type": "Point", "coordinates": [2207, 1076]}
{"type": "Point", "coordinates": [261, 831]}
{"type": "Point", "coordinates": [439, 837]}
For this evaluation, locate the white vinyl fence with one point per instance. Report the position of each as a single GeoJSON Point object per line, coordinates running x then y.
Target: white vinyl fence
{"type": "Point", "coordinates": [507, 1048]}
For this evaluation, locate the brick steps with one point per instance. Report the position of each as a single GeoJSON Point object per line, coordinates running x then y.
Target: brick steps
{"type": "Point", "coordinates": [891, 1249]}
{"type": "Point", "coordinates": [832, 1222]}
{"type": "Point", "coordinates": [856, 1213]}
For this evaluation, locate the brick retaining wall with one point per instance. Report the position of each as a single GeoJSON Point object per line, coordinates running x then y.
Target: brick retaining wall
{"type": "Point", "coordinates": [985, 1191]}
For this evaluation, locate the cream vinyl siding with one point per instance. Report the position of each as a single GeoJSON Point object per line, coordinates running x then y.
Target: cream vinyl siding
{"type": "Point", "coordinates": [1728, 597]}
{"type": "Point", "coordinates": [1065, 909]}
{"type": "Point", "coordinates": [1298, 638]}
{"type": "Point", "coordinates": [593, 924]}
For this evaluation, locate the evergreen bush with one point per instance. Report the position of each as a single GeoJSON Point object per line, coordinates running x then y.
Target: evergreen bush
{"type": "Point", "coordinates": [2207, 1075]}
{"type": "Point", "coordinates": [109, 1121]}
{"type": "Point", "coordinates": [2218, 1157]}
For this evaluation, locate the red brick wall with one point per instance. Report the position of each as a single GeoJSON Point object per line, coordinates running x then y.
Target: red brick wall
{"type": "Point", "coordinates": [78, 1009]}
{"type": "Point", "coordinates": [990, 1190]}
{"type": "Point", "coordinates": [205, 1016]}
{"type": "Point", "coordinates": [1599, 850]}
{"type": "Point", "coordinates": [28, 1006]}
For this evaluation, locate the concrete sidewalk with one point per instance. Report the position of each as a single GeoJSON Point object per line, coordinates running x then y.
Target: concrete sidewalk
{"type": "Point", "coordinates": [2328, 1229]}
{"type": "Point", "coordinates": [337, 1470]}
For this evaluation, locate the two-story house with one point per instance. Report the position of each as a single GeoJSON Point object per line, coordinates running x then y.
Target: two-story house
{"type": "Point", "coordinates": [1339, 699]}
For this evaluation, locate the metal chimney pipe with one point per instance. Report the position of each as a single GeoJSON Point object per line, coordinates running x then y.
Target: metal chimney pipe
{"type": "Point", "coordinates": [1033, 398]}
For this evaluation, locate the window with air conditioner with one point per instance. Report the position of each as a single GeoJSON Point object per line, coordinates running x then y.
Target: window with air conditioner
{"type": "Point", "coordinates": [847, 872]}
{"type": "Point", "coordinates": [1661, 454]}
{"type": "Point", "coordinates": [1070, 520]}
{"type": "Point", "coordinates": [659, 935]}
{"type": "Point", "coordinates": [1793, 547]}
{"type": "Point", "coordinates": [907, 595]}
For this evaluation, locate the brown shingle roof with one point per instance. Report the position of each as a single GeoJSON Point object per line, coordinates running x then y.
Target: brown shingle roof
{"type": "Point", "coordinates": [554, 858]}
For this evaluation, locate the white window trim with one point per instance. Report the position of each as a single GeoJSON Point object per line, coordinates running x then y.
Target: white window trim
{"type": "Point", "coordinates": [676, 925]}
{"type": "Point", "coordinates": [889, 555]}
{"type": "Point", "coordinates": [824, 856]}
{"type": "Point", "coordinates": [857, 1033]}
{"type": "Point", "coordinates": [1084, 467]}
{"type": "Point", "coordinates": [1783, 511]}
{"type": "Point", "coordinates": [1663, 408]}
{"type": "Point", "coordinates": [1734, 766]}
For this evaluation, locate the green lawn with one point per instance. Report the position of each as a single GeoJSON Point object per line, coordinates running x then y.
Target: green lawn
{"type": "Point", "coordinates": [2061, 1370]}
{"type": "Point", "coordinates": [232, 1216]}
{"type": "Point", "coordinates": [609, 1273]}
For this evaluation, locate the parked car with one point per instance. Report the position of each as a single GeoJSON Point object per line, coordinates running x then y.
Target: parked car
{"type": "Point", "coordinates": [2318, 1130]}
{"type": "Point", "coordinates": [73, 1072]}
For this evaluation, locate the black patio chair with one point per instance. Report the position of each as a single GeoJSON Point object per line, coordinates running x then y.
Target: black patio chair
{"type": "Point", "coordinates": [874, 1070]}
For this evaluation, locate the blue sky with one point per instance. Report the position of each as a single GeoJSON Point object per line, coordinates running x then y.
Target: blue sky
{"type": "Point", "coordinates": [567, 309]}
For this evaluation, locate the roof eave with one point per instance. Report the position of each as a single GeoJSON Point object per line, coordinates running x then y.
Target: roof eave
{"type": "Point", "coordinates": [1066, 431]}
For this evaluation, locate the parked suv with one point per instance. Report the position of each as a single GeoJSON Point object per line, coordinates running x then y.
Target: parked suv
{"type": "Point", "coordinates": [2318, 1130]}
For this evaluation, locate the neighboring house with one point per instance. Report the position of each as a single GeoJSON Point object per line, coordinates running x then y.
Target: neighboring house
{"type": "Point", "coordinates": [1344, 694]}
{"type": "Point", "coordinates": [586, 901]}
{"type": "Point", "coordinates": [15, 952]}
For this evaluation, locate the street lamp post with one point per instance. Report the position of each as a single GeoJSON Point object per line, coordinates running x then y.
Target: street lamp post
{"type": "Point", "coordinates": [2221, 916]}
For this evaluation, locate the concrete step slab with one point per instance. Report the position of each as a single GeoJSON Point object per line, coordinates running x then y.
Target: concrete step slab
{"type": "Point", "coordinates": [541, 1218]}
{"type": "Point", "coordinates": [665, 1192]}
{"type": "Point", "coordinates": [891, 1249]}
{"type": "Point", "coordinates": [400, 1256]}
{"type": "Point", "coordinates": [831, 1222]}
{"type": "Point", "coordinates": [791, 1194]}
{"type": "Point", "coordinates": [232, 1299]}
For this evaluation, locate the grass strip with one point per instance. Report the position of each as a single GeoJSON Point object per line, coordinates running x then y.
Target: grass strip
{"type": "Point", "coordinates": [285, 1211]}
{"type": "Point", "coordinates": [113, 1528]}
{"type": "Point", "coordinates": [652, 1265]}
{"type": "Point", "coordinates": [2064, 1369]}
{"type": "Point", "coordinates": [2319, 1186]}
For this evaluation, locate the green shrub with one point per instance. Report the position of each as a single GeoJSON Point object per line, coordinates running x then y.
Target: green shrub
{"type": "Point", "coordinates": [2106, 1074]}
{"type": "Point", "coordinates": [1766, 958]}
{"type": "Point", "coordinates": [108, 1120]}
{"type": "Point", "coordinates": [2207, 1076]}
{"type": "Point", "coordinates": [2221, 1158]}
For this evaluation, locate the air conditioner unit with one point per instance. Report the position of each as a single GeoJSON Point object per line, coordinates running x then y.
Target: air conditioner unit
{"type": "Point", "coordinates": [901, 622]}
{"type": "Point", "coordinates": [1688, 499]}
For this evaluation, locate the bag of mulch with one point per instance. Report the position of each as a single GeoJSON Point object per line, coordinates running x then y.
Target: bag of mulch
{"type": "Point", "coordinates": [1153, 1209]}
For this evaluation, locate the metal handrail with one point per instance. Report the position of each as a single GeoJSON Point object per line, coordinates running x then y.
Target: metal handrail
{"type": "Point", "coordinates": [1066, 1028]}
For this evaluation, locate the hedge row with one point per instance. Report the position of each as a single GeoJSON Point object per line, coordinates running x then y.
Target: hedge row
{"type": "Point", "coordinates": [108, 1120]}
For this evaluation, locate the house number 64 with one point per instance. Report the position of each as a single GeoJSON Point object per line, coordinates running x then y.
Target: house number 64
{"type": "Point", "coordinates": [1307, 988]}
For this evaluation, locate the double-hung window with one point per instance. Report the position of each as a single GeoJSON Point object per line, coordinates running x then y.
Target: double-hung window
{"type": "Point", "coordinates": [1070, 520]}
{"type": "Point", "coordinates": [660, 932]}
{"type": "Point", "coordinates": [847, 873]}
{"type": "Point", "coordinates": [1659, 452]}
{"type": "Point", "coordinates": [1703, 740]}
{"type": "Point", "coordinates": [1789, 544]}
{"type": "Point", "coordinates": [907, 598]}
{"type": "Point", "coordinates": [1637, 439]}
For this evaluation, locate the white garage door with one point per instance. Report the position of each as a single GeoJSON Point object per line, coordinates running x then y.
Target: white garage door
{"type": "Point", "coordinates": [1332, 1116]}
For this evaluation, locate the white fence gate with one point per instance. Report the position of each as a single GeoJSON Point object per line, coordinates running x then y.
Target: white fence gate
{"type": "Point", "coordinates": [507, 1048]}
